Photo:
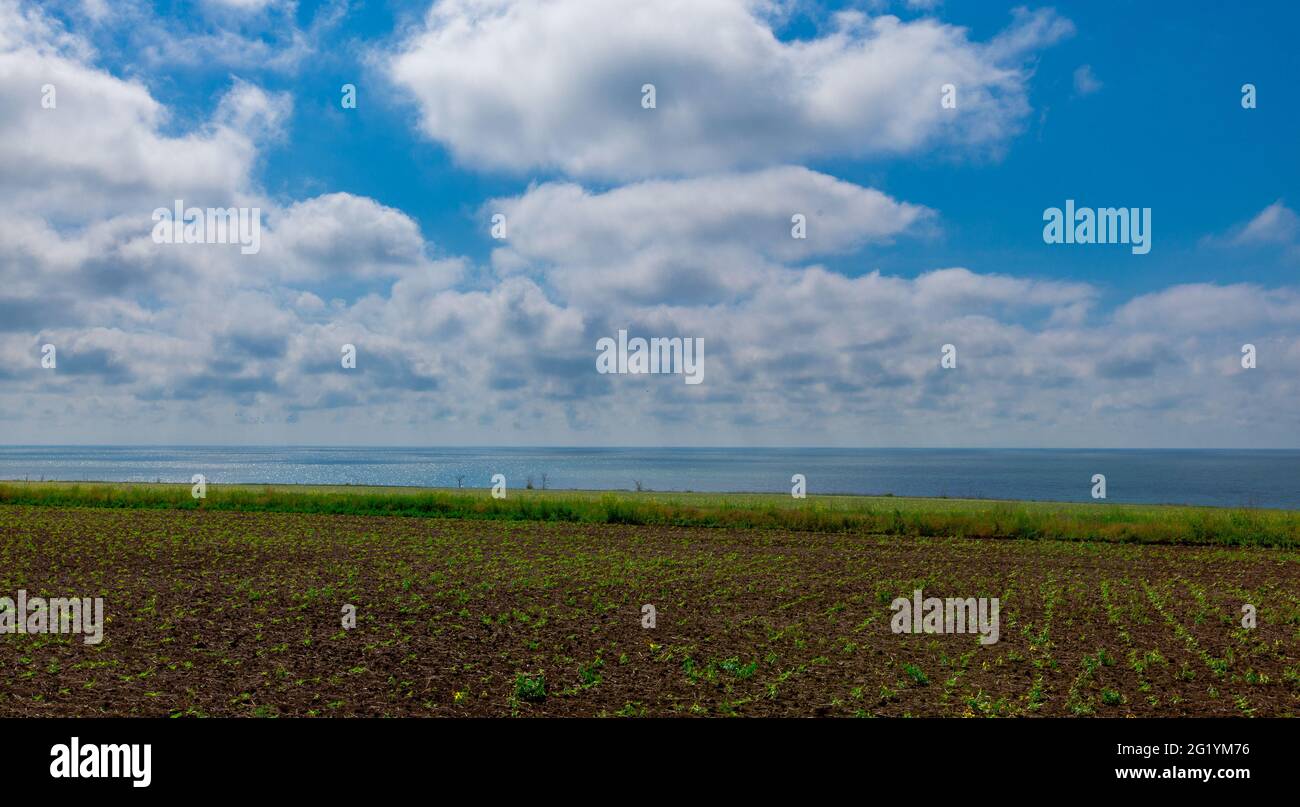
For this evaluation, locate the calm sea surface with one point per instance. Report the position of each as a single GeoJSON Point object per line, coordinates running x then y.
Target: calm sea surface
{"type": "Point", "coordinates": [1210, 477]}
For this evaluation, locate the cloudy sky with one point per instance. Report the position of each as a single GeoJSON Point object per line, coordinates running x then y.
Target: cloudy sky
{"type": "Point", "coordinates": [924, 223]}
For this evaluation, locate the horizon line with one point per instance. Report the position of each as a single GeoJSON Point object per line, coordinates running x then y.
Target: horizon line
{"type": "Point", "coordinates": [637, 447]}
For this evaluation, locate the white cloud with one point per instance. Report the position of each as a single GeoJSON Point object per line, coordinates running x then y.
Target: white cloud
{"type": "Point", "coordinates": [96, 10]}
{"type": "Point", "coordinates": [204, 344]}
{"type": "Point", "coordinates": [1085, 83]}
{"type": "Point", "coordinates": [242, 35]}
{"type": "Point", "coordinates": [704, 239]}
{"type": "Point", "coordinates": [557, 85]}
{"type": "Point", "coordinates": [245, 5]}
{"type": "Point", "coordinates": [104, 149]}
{"type": "Point", "coordinates": [1275, 224]}
{"type": "Point", "coordinates": [344, 237]}
{"type": "Point", "coordinates": [1207, 308]}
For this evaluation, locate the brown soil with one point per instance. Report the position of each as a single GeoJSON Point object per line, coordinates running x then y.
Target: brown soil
{"type": "Point", "coordinates": [217, 613]}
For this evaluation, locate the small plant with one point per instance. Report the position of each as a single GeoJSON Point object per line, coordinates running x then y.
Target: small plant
{"type": "Point", "coordinates": [690, 668]}
{"type": "Point", "coordinates": [589, 674]}
{"type": "Point", "coordinates": [916, 674]}
{"type": "Point", "coordinates": [1036, 699]}
{"type": "Point", "coordinates": [530, 687]}
{"type": "Point", "coordinates": [733, 666]}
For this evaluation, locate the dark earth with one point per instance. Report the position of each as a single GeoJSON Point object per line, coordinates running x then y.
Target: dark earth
{"type": "Point", "coordinates": [239, 614]}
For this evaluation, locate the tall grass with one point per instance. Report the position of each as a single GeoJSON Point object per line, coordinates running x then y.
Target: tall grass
{"type": "Point", "coordinates": [866, 514]}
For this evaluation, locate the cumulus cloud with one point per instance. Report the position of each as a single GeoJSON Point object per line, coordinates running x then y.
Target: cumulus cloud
{"type": "Point", "coordinates": [103, 148]}
{"type": "Point", "coordinates": [1207, 307]}
{"type": "Point", "coordinates": [344, 237]}
{"type": "Point", "coordinates": [704, 239]}
{"type": "Point", "coordinates": [558, 85]}
{"type": "Point", "coordinates": [201, 343]}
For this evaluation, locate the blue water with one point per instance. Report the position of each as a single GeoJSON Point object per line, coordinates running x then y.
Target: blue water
{"type": "Point", "coordinates": [1210, 477]}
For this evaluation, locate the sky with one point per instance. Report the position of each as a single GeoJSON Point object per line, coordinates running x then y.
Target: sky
{"type": "Point", "coordinates": [922, 143]}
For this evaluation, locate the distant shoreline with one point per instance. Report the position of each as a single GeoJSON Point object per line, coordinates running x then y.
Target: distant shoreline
{"type": "Point", "coordinates": [1185, 477]}
{"type": "Point", "coordinates": [750, 447]}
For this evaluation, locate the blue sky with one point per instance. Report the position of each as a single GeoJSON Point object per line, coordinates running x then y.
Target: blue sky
{"type": "Point", "coordinates": [1169, 102]}
{"type": "Point", "coordinates": [466, 109]}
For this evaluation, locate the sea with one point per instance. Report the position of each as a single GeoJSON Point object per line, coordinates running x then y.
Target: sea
{"type": "Point", "coordinates": [1227, 478]}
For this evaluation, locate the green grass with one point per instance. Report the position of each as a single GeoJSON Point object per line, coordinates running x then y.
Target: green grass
{"type": "Point", "coordinates": [1164, 524]}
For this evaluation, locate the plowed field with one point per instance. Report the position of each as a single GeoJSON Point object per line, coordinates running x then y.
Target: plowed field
{"type": "Point", "coordinates": [228, 613]}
